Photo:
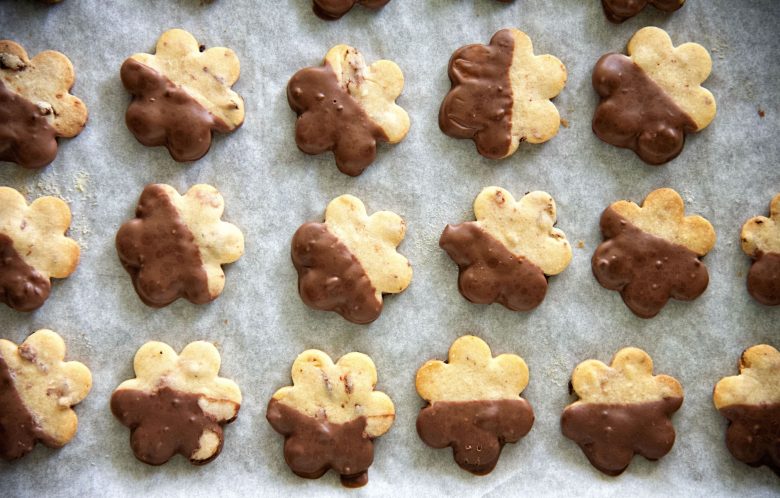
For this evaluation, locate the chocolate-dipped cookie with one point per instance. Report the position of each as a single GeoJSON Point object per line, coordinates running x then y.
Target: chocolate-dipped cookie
{"type": "Point", "coordinates": [618, 11]}
{"type": "Point", "coordinates": [761, 241]}
{"type": "Point", "coordinates": [330, 10]}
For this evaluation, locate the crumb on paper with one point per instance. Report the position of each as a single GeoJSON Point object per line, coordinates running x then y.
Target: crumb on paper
{"type": "Point", "coordinates": [564, 122]}
{"type": "Point", "coordinates": [761, 113]}
{"type": "Point", "coordinates": [580, 244]}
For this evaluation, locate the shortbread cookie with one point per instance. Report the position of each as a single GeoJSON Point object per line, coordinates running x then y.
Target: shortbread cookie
{"type": "Point", "coordinates": [330, 416]}
{"type": "Point", "coordinates": [35, 106]}
{"type": "Point", "coordinates": [652, 253]}
{"type": "Point", "coordinates": [651, 98]}
{"type": "Point", "coordinates": [176, 245]}
{"type": "Point", "coordinates": [182, 94]}
{"type": "Point", "coordinates": [623, 410]}
{"type": "Point", "coordinates": [751, 403]}
{"type": "Point", "coordinates": [37, 391]}
{"type": "Point", "coordinates": [346, 107]}
{"type": "Point", "coordinates": [761, 241]}
{"type": "Point", "coordinates": [346, 263]}
{"type": "Point", "coordinates": [474, 403]}
{"type": "Point", "coordinates": [176, 403]}
{"type": "Point", "coordinates": [501, 94]}
{"type": "Point", "coordinates": [33, 248]}
{"type": "Point", "coordinates": [331, 10]}
{"type": "Point", "coordinates": [618, 11]}
{"type": "Point", "coordinates": [505, 256]}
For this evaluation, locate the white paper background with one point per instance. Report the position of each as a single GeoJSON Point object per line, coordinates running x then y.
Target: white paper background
{"type": "Point", "coordinates": [728, 173]}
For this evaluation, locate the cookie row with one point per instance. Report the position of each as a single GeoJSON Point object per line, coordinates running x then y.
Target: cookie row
{"type": "Point", "coordinates": [500, 97]}
{"type": "Point", "coordinates": [176, 246]}
{"type": "Point", "coordinates": [330, 415]}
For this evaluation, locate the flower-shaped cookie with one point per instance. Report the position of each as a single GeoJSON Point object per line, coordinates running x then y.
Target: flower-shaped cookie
{"type": "Point", "coordinates": [474, 403]}
{"type": "Point", "coordinates": [181, 94]}
{"type": "Point", "coordinates": [501, 94]}
{"type": "Point", "coordinates": [618, 11]}
{"type": "Point", "coordinates": [176, 403]}
{"type": "Point", "coordinates": [751, 403]}
{"type": "Point", "coordinates": [346, 106]}
{"type": "Point", "coordinates": [330, 10]}
{"type": "Point", "coordinates": [330, 416]}
{"type": "Point", "coordinates": [37, 391]}
{"type": "Point", "coordinates": [651, 98]}
{"type": "Point", "coordinates": [175, 245]}
{"type": "Point", "coordinates": [505, 255]}
{"type": "Point", "coordinates": [348, 262]}
{"type": "Point", "coordinates": [33, 248]}
{"type": "Point", "coordinates": [35, 106]}
{"type": "Point", "coordinates": [761, 241]}
{"type": "Point", "coordinates": [623, 410]}
{"type": "Point", "coordinates": [651, 253]}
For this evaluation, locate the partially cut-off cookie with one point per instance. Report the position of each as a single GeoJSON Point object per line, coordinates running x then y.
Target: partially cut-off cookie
{"type": "Point", "coordinates": [330, 10]}
{"type": "Point", "coordinates": [761, 241]}
{"type": "Point", "coordinates": [618, 11]}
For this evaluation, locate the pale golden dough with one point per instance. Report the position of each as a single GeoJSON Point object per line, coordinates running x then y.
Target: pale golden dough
{"type": "Point", "coordinates": [525, 227]}
{"type": "Point", "coordinates": [45, 81]}
{"type": "Point", "coordinates": [663, 214]}
{"type": "Point", "coordinates": [38, 232]}
{"type": "Point", "coordinates": [206, 76]}
{"type": "Point", "coordinates": [471, 373]}
{"type": "Point", "coordinates": [375, 87]}
{"type": "Point", "coordinates": [339, 392]}
{"type": "Point", "coordinates": [758, 381]}
{"type": "Point", "coordinates": [629, 379]}
{"type": "Point", "coordinates": [762, 234]}
{"type": "Point", "coordinates": [47, 385]}
{"type": "Point", "coordinates": [678, 70]}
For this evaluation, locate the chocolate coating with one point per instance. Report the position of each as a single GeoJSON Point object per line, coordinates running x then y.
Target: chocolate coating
{"type": "Point", "coordinates": [330, 10]}
{"type": "Point", "coordinates": [160, 254]}
{"type": "Point", "coordinates": [476, 430]}
{"type": "Point", "coordinates": [618, 11]}
{"type": "Point", "coordinates": [635, 113]}
{"type": "Point", "coordinates": [26, 137]}
{"type": "Point", "coordinates": [330, 278]}
{"type": "Point", "coordinates": [645, 269]}
{"type": "Point", "coordinates": [164, 423]}
{"type": "Point", "coordinates": [163, 113]}
{"type": "Point", "coordinates": [763, 281]}
{"type": "Point", "coordinates": [22, 287]}
{"type": "Point", "coordinates": [489, 273]}
{"type": "Point", "coordinates": [753, 436]}
{"type": "Point", "coordinates": [611, 434]}
{"type": "Point", "coordinates": [329, 119]}
{"type": "Point", "coordinates": [479, 104]}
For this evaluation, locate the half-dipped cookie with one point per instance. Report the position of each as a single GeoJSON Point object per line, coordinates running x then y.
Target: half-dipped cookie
{"type": "Point", "coordinates": [623, 410]}
{"type": "Point", "coordinates": [652, 253]}
{"type": "Point", "coordinates": [474, 403]}
{"type": "Point", "coordinates": [501, 93]}
{"type": "Point", "coordinates": [506, 255]}
{"type": "Point", "coordinates": [618, 11]}
{"type": "Point", "coordinates": [176, 245]}
{"type": "Point", "coordinates": [761, 241]}
{"type": "Point", "coordinates": [651, 98]}
{"type": "Point", "coordinates": [330, 10]}
{"type": "Point", "coordinates": [346, 263]}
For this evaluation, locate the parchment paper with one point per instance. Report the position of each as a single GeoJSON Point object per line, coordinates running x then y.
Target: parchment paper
{"type": "Point", "coordinates": [727, 173]}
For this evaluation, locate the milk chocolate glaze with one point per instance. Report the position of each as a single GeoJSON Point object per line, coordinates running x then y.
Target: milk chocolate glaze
{"type": "Point", "coordinates": [476, 430]}
{"type": "Point", "coordinates": [611, 434]}
{"type": "Point", "coordinates": [618, 11]}
{"type": "Point", "coordinates": [22, 287]}
{"type": "Point", "coordinates": [479, 104]}
{"type": "Point", "coordinates": [330, 10]}
{"type": "Point", "coordinates": [645, 269]}
{"type": "Point", "coordinates": [635, 113]}
{"type": "Point", "coordinates": [329, 119]}
{"type": "Point", "coordinates": [26, 137]}
{"type": "Point", "coordinates": [753, 435]}
{"type": "Point", "coordinates": [330, 278]}
{"type": "Point", "coordinates": [763, 281]}
{"type": "Point", "coordinates": [314, 445]}
{"type": "Point", "coordinates": [18, 430]}
{"type": "Point", "coordinates": [489, 273]}
{"type": "Point", "coordinates": [163, 113]}
{"type": "Point", "coordinates": [164, 423]}
{"type": "Point", "coordinates": [160, 254]}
